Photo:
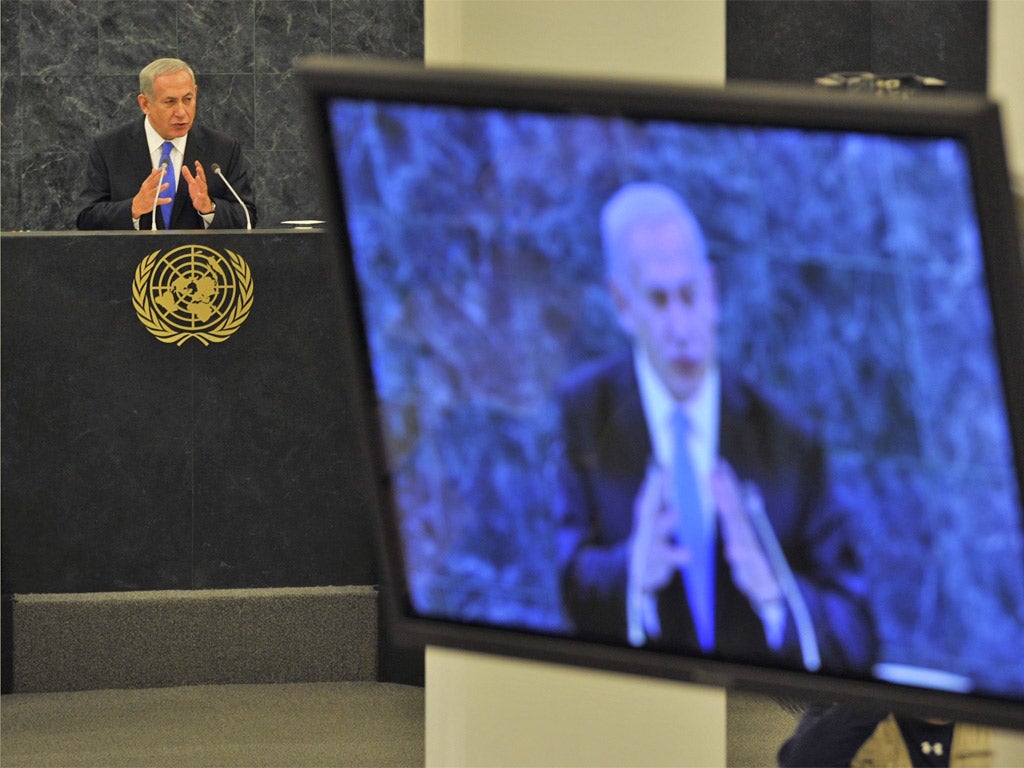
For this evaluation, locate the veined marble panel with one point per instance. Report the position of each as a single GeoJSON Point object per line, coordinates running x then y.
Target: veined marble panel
{"type": "Point", "coordinates": [70, 71]}
{"type": "Point", "coordinates": [306, 24]}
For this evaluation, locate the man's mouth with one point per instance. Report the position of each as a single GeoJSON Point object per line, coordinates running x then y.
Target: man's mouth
{"type": "Point", "coordinates": [685, 366]}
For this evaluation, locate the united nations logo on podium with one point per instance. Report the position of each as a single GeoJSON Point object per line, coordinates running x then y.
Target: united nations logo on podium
{"type": "Point", "coordinates": [192, 292]}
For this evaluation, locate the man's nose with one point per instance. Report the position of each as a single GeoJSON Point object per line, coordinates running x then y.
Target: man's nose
{"type": "Point", "coordinates": [680, 318]}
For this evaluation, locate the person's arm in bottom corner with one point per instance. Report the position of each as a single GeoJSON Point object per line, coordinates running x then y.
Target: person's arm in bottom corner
{"type": "Point", "coordinates": [828, 736]}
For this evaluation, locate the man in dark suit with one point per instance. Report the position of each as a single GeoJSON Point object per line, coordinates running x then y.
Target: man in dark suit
{"type": "Point", "coordinates": [124, 168]}
{"type": "Point", "coordinates": [692, 515]}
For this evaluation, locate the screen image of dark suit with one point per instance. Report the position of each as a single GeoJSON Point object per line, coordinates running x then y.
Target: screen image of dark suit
{"type": "Point", "coordinates": [119, 161]}
{"type": "Point", "coordinates": [606, 451]}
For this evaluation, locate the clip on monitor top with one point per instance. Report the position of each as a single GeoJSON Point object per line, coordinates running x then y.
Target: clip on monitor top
{"type": "Point", "coordinates": [717, 385]}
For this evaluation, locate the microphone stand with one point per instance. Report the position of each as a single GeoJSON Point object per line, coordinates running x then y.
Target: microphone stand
{"type": "Point", "coordinates": [163, 164]}
{"type": "Point", "coordinates": [754, 505]}
{"type": "Point", "coordinates": [245, 209]}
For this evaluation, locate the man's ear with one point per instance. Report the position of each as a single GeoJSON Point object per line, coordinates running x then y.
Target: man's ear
{"type": "Point", "coordinates": [623, 307]}
{"type": "Point", "coordinates": [715, 294]}
{"type": "Point", "coordinates": [144, 103]}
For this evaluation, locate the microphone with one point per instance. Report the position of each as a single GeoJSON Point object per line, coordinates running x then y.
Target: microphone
{"type": "Point", "coordinates": [754, 505]}
{"type": "Point", "coordinates": [248, 221]}
{"type": "Point", "coordinates": [163, 164]}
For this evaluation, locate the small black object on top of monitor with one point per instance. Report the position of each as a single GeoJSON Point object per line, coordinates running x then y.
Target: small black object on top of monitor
{"type": "Point", "coordinates": [538, 270]}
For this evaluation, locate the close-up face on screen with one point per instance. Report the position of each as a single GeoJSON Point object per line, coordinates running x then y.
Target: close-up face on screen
{"type": "Point", "coordinates": [708, 389]}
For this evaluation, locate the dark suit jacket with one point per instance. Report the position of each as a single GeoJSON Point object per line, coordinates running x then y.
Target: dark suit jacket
{"type": "Point", "coordinates": [119, 161]}
{"type": "Point", "coordinates": [606, 450]}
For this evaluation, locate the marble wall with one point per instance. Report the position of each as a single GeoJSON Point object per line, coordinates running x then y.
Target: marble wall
{"type": "Point", "coordinates": [70, 70]}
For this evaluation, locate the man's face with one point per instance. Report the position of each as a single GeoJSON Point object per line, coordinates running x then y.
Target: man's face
{"type": "Point", "coordinates": [668, 303]}
{"type": "Point", "coordinates": [173, 106]}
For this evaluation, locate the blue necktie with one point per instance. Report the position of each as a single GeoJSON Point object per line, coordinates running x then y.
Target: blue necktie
{"type": "Point", "coordinates": [698, 575]}
{"type": "Point", "coordinates": [170, 177]}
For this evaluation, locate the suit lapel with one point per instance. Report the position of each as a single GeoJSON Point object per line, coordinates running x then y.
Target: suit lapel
{"type": "Point", "coordinates": [628, 422]}
{"type": "Point", "coordinates": [193, 149]}
{"type": "Point", "coordinates": [141, 160]}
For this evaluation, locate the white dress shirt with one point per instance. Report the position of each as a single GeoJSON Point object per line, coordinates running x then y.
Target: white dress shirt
{"type": "Point", "coordinates": [156, 151]}
{"type": "Point", "coordinates": [703, 412]}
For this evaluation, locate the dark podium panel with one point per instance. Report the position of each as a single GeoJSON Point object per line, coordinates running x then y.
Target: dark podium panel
{"type": "Point", "coordinates": [130, 463]}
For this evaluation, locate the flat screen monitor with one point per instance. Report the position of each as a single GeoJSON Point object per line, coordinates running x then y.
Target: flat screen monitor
{"type": "Point", "coordinates": [723, 385]}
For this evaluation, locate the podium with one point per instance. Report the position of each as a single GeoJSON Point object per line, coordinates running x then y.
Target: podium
{"type": "Point", "coordinates": [133, 463]}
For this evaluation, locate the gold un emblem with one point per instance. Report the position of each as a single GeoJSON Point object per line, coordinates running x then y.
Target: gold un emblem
{"type": "Point", "coordinates": [192, 292]}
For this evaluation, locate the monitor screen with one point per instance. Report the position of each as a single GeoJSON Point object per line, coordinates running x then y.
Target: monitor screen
{"type": "Point", "coordinates": [721, 385]}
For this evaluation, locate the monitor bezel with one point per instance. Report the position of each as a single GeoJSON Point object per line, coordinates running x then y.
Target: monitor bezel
{"type": "Point", "coordinates": [971, 119]}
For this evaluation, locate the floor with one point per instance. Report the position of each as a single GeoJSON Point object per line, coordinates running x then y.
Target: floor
{"type": "Point", "coordinates": [362, 724]}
